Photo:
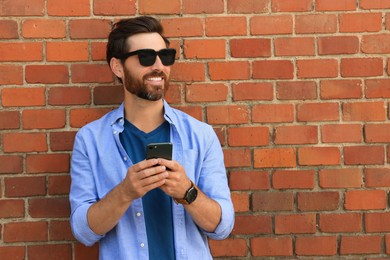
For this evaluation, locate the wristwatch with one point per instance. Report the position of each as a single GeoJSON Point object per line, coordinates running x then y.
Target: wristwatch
{"type": "Point", "coordinates": [190, 196]}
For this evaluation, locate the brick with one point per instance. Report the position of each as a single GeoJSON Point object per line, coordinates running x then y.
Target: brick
{"type": "Point", "coordinates": [188, 71]}
{"type": "Point", "coordinates": [315, 23]}
{"type": "Point", "coordinates": [252, 225]}
{"type": "Point", "coordinates": [360, 22]}
{"type": "Point", "coordinates": [247, 6]}
{"type": "Point", "coordinates": [11, 74]}
{"type": "Point", "coordinates": [377, 44]}
{"type": "Point", "coordinates": [374, 4]}
{"type": "Point", "coordinates": [81, 116]}
{"type": "Point", "coordinates": [9, 119]}
{"type": "Point", "coordinates": [326, 5]}
{"type": "Point", "coordinates": [22, 8]}
{"type": "Point", "coordinates": [273, 69]}
{"type": "Point", "coordinates": [63, 96]}
{"type": "Point", "coordinates": [43, 28]}
{"type": "Point", "coordinates": [202, 6]}
{"type": "Point", "coordinates": [288, 6]}
{"type": "Point", "coordinates": [96, 73]}
{"type": "Point", "coordinates": [194, 111]}
{"type": "Point", "coordinates": [340, 222]}
{"type": "Point", "coordinates": [361, 67]}
{"type": "Point", "coordinates": [159, 7]}
{"type": "Point", "coordinates": [206, 92]}
{"type": "Point", "coordinates": [58, 185]}
{"type": "Point", "coordinates": [351, 245]}
{"type": "Point", "coordinates": [47, 163]}
{"type": "Point", "coordinates": [67, 51]}
{"type": "Point", "coordinates": [296, 134]}
{"type": "Point", "coordinates": [225, 26]}
{"type": "Point", "coordinates": [314, 112]}
{"type": "Point", "coordinates": [377, 133]}
{"type": "Point", "coordinates": [229, 70]}
{"type": "Point", "coordinates": [49, 208]}
{"type": "Point", "coordinates": [335, 45]}
{"type": "Point", "coordinates": [318, 201]}
{"type": "Point", "coordinates": [24, 142]}
{"type": "Point", "coordinates": [271, 246]}
{"type": "Point", "coordinates": [62, 141]}
{"type": "Point", "coordinates": [271, 25]}
{"type": "Point", "coordinates": [237, 157]}
{"type": "Point", "coordinates": [9, 29]}
{"type": "Point", "coordinates": [227, 114]}
{"type": "Point", "coordinates": [341, 133]}
{"type": "Point", "coordinates": [21, 51]}
{"type": "Point", "coordinates": [54, 251]}
{"type": "Point", "coordinates": [22, 97]}
{"type": "Point", "coordinates": [248, 136]}
{"type": "Point", "coordinates": [319, 156]}
{"type": "Point", "coordinates": [377, 177]}
{"type": "Point", "coordinates": [89, 28]}
{"type": "Point", "coordinates": [119, 7]}
{"type": "Point", "coordinates": [340, 178]}
{"type": "Point", "coordinates": [11, 164]}
{"type": "Point", "coordinates": [318, 68]}
{"type": "Point", "coordinates": [365, 200]}
{"type": "Point", "coordinates": [228, 247]}
{"type": "Point", "coordinates": [25, 186]}
{"type": "Point", "coordinates": [25, 232]}
{"type": "Point", "coordinates": [272, 201]}
{"type": "Point", "coordinates": [293, 179]}
{"type": "Point", "coordinates": [295, 224]}
{"type": "Point", "coordinates": [204, 49]}
{"type": "Point", "coordinates": [240, 202]}
{"type": "Point", "coordinates": [377, 88]}
{"type": "Point", "coordinates": [221, 134]}
{"type": "Point", "coordinates": [43, 119]}
{"type": "Point", "coordinates": [377, 222]}
{"type": "Point", "coordinates": [274, 157]}
{"type": "Point", "coordinates": [363, 155]}
{"type": "Point", "coordinates": [183, 27]}
{"type": "Point", "coordinates": [69, 8]}
{"type": "Point", "coordinates": [297, 90]}
{"type": "Point", "coordinates": [98, 50]}
{"type": "Point", "coordinates": [11, 209]}
{"type": "Point", "coordinates": [364, 111]}
{"type": "Point", "coordinates": [316, 246]}
{"type": "Point", "coordinates": [341, 89]}
{"type": "Point", "coordinates": [249, 180]}
{"type": "Point", "coordinates": [252, 91]}
{"type": "Point", "coordinates": [250, 48]}
{"type": "Point", "coordinates": [294, 46]}
{"type": "Point", "coordinates": [47, 74]}
{"type": "Point", "coordinates": [84, 252]}
{"type": "Point", "coordinates": [12, 252]}
{"type": "Point", "coordinates": [107, 95]}
{"type": "Point", "coordinates": [60, 230]}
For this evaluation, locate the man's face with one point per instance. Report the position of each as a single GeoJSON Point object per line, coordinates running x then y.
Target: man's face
{"type": "Point", "coordinates": [150, 82]}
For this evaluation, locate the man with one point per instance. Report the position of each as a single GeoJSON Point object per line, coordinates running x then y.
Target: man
{"type": "Point", "coordinates": [155, 208]}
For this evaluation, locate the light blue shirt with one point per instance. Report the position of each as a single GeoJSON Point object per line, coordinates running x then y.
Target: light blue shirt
{"type": "Point", "coordinates": [99, 163]}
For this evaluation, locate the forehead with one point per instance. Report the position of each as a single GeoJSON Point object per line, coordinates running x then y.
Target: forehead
{"type": "Point", "coordinates": [146, 41]}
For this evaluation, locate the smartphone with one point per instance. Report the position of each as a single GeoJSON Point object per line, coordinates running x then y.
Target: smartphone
{"type": "Point", "coordinates": [159, 150]}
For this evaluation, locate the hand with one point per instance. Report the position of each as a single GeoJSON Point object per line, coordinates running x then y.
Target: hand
{"type": "Point", "coordinates": [177, 183]}
{"type": "Point", "coordinates": [143, 177]}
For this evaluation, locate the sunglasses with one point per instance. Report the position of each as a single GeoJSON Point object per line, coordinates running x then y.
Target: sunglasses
{"type": "Point", "coordinates": [147, 57]}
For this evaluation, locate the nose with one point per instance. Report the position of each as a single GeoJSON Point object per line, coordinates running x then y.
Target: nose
{"type": "Point", "coordinates": [158, 64]}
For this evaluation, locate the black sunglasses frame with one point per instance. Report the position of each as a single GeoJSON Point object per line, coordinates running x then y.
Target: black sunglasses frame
{"type": "Point", "coordinates": [147, 57]}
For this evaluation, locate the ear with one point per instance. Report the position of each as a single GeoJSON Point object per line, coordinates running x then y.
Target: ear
{"type": "Point", "coordinates": [117, 67]}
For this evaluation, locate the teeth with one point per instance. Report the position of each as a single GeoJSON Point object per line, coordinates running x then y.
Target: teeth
{"type": "Point", "coordinates": [155, 79]}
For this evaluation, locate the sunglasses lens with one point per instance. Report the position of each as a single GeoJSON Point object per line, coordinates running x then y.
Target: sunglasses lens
{"type": "Point", "coordinates": [167, 56]}
{"type": "Point", "coordinates": [147, 57]}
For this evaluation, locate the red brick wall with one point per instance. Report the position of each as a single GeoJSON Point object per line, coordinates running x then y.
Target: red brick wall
{"type": "Point", "coordinates": [297, 92]}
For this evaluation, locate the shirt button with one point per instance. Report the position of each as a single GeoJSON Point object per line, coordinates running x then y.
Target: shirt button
{"type": "Point", "coordinates": [125, 158]}
{"type": "Point", "coordinates": [142, 245]}
{"type": "Point", "coordinates": [138, 214]}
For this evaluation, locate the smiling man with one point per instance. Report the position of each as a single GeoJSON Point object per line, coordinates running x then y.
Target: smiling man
{"type": "Point", "coordinates": [139, 208]}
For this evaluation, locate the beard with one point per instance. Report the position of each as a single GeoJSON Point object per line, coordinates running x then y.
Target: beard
{"type": "Point", "coordinates": [145, 91]}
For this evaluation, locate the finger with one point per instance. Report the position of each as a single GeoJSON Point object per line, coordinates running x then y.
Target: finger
{"type": "Point", "coordinates": [147, 173]}
{"type": "Point", "coordinates": [144, 165]}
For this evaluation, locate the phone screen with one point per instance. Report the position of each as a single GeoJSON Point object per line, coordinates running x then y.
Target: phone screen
{"type": "Point", "coordinates": [159, 150]}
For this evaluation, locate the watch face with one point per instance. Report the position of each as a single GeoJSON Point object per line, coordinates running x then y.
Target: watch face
{"type": "Point", "coordinates": [191, 195]}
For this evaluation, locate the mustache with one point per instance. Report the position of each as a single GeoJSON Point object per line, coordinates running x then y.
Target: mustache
{"type": "Point", "coordinates": [156, 74]}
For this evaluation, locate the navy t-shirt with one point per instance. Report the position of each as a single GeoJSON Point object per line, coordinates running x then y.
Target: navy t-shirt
{"type": "Point", "coordinates": [157, 205]}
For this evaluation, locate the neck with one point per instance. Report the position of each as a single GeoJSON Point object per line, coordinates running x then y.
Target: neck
{"type": "Point", "coordinates": [144, 114]}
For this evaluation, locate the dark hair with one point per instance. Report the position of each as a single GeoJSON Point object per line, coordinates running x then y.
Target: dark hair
{"type": "Point", "coordinates": [117, 39]}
